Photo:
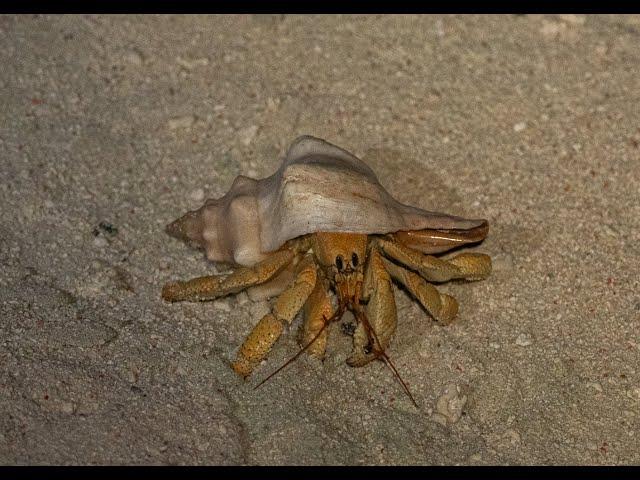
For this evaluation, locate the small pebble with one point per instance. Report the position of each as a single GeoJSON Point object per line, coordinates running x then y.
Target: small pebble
{"type": "Point", "coordinates": [634, 393]}
{"type": "Point", "coordinates": [449, 405]}
{"type": "Point", "coordinates": [222, 305]}
{"type": "Point", "coordinates": [601, 50]}
{"type": "Point", "coordinates": [100, 242]}
{"type": "Point", "coordinates": [247, 134]}
{"type": "Point", "coordinates": [439, 418]}
{"type": "Point", "coordinates": [131, 375]}
{"type": "Point", "coordinates": [134, 57]}
{"type": "Point", "coordinates": [518, 127]}
{"type": "Point", "coordinates": [191, 64]}
{"type": "Point", "coordinates": [476, 457]}
{"type": "Point", "coordinates": [610, 231]}
{"type": "Point", "coordinates": [154, 452]}
{"type": "Point", "coordinates": [596, 386]}
{"type": "Point", "coordinates": [512, 436]}
{"type": "Point", "coordinates": [272, 104]}
{"type": "Point", "coordinates": [197, 195]}
{"type": "Point", "coordinates": [202, 446]}
{"type": "Point", "coordinates": [524, 340]}
{"type": "Point", "coordinates": [87, 408]}
{"type": "Point", "coordinates": [67, 407]}
{"type": "Point", "coordinates": [503, 262]}
{"type": "Point", "coordinates": [181, 122]}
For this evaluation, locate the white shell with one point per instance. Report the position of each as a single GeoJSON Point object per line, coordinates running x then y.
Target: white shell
{"type": "Point", "coordinates": [318, 188]}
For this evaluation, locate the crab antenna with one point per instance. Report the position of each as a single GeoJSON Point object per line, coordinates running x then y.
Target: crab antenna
{"type": "Point", "coordinates": [387, 360]}
{"type": "Point", "coordinates": [335, 316]}
{"type": "Point", "coordinates": [404, 385]}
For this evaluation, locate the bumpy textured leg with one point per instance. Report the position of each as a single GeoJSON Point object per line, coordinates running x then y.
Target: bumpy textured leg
{"type": "Point", "coordinates": [265, 334]}
{"type": "Point", "coordinates": [317, 310]}
{"type": "Point", "coordinates": [442, 307]}
{"type": "Point", "coordinates": [214, 286]}
{"type": "Point", "coordinates": [380, 312]}
{"type": "Point", "coordinates": [470, 266]}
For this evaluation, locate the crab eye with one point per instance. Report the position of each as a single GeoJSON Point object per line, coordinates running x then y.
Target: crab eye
{"type": "Point", "coordinates": [339, 263]}
{"type": "Point", "coordinates": [354, 259]}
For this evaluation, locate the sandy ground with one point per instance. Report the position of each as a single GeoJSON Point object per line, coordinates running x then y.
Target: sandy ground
{"type": "Point", "coordinates": [114, 126]}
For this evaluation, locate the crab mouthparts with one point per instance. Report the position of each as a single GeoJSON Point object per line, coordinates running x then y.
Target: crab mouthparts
{"type": "Point", "coordinates": [348, 289]}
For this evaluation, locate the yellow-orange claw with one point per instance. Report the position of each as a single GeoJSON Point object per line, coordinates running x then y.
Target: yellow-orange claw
{"type": "Point", "coordinates": [449, 309]}
{"type": "Point", "coordinates": [317, 311]}
{"type": "Point", "coordinates": [257, 345]}
{"type": "Point", "coordinates": [242, 367]}
{"type": "Point", "coordinates": [473, 266]}
{"type": "Point", "coordinates": [196, 289]}
{"type": "Point", "coordinates": [171, 291]}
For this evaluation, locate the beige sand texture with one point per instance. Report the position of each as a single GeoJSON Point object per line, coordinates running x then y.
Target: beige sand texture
{"type": "Point", "coordinates": [112, 126]}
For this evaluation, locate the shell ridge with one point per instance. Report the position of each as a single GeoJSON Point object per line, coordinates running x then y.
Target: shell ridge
{"type": "Point", "coordinates": [317, 187]}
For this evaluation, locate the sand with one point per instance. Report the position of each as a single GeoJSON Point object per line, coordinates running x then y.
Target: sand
{"type": "Point", "coordinates": [113, 126]}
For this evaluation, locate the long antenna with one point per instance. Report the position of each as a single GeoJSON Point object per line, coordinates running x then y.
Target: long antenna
{"type": "Point", "coordinates": [336, 315]}
{"type": "Point", "coordinates": [383, 354]}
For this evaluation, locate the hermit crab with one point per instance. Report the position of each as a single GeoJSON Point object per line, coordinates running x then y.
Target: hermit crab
{"type": "Point", "coordinates": [323, 236]}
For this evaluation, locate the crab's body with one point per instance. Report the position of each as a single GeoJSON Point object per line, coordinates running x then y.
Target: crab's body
{"type": "Point", "coordinates": [324, 223]}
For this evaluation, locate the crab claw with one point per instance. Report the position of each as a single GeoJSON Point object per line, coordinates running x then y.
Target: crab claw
{"type": "Point", "coordinates": [366, 346]}
{"type": "Point", "coordinates": [377, 319]}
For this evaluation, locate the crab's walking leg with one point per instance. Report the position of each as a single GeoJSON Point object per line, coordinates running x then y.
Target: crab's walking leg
{"type": "Point", "coordinates": [317, 310]}
{"type": "Point", "coordinates": [380, 313]}
{"type": "Point", "coordinates": [470, 266]}
{"type": "Point", "coordinates": [442, 307]}
{"type": "Point", "coordinates": [214, 286]}
{"type": "Point", "coordinates": [265, 334]}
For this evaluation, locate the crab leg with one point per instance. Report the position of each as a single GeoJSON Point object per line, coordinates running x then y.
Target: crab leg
{"type": "Point", "coordinates": [380, 313]}
{"type": "Point", "coordinates": [469, 266]}
{"type": "Point", "coordinates": [265, 334]}
{"type": "Point", "coordinates": [442, 307]}
{"type": "Point", "coordinates": [317, 310]}
{"type": "Point", "coordinates": [213, 286]}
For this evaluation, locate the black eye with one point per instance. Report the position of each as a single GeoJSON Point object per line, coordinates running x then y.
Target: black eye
{"type": "Point", "coordinates": [339, 263]}
{"type": "Point", "coordinates": [354, 260]}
